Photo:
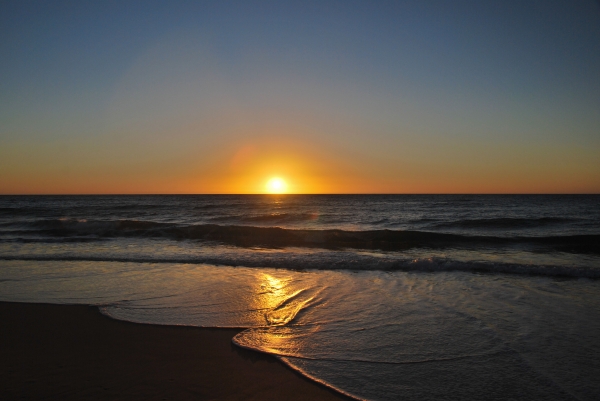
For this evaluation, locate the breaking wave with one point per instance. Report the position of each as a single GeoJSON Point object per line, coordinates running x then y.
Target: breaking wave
{"type": "Point", "coordinates": [334, 261]}
{"type": "Point", "coordinates": [276, 237]}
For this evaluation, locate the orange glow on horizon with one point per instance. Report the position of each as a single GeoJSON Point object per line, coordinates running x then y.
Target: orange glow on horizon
{"type": "Point", "coordinates": [263, 152]}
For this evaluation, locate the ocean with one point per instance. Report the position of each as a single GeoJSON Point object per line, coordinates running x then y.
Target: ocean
{"type": "Point", "coordinates": [382, 297]}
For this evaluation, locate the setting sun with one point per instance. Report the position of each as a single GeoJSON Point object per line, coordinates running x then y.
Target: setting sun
{"type": "Point", "coordinates": [276, 186]}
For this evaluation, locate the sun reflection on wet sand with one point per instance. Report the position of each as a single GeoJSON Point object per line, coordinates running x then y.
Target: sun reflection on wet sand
{"type": "Point", "coordinates": [281, 300]}
{"type": "Point", "coordinates": [286, 304]}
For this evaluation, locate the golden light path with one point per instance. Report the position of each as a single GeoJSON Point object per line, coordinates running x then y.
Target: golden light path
{"type": "Point", "coordinates": [276, 185]}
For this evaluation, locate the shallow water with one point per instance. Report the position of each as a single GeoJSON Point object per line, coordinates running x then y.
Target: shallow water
{"type": "Point", "coordinates": [375, 335]}
{"type": "Point", "coordinates": [514, 317]}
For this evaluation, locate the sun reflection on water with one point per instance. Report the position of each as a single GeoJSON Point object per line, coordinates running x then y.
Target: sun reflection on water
{"type": "Point", "coordinates": [286, 304]}
{"type": "Point", "coordinates": [280, 300]}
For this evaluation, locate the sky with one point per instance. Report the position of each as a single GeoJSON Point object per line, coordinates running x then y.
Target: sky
{"type": "Point", "coordinates": [424, 96]}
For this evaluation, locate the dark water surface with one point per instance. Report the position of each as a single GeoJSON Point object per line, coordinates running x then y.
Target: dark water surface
{"type": "Point", "coordinates": [380, 296]}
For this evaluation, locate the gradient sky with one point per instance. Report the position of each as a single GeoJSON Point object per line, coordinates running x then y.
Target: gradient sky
{"type": "Point", "coordinates": [333, 96]}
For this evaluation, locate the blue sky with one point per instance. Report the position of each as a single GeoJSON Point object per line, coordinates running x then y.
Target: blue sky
{"type": "Point", "coordinates": [335, 96]}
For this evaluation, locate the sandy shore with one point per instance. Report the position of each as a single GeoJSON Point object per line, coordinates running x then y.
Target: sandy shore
{"type": "Point", "coordinates": [74, 352]}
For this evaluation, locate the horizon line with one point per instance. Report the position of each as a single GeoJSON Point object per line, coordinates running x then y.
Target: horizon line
{"type": "Point", "coordinates": [304, 194]}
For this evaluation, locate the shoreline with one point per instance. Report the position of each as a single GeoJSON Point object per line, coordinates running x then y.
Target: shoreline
{"type": "Point", "coordinates": [74, 351]}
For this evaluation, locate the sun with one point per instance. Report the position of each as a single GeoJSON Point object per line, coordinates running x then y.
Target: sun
{"type": "Point", "coordinates": [276, 185]}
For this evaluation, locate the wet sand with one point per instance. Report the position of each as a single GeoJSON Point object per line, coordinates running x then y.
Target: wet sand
{"type": "Point", "coordinates": [72, 352]}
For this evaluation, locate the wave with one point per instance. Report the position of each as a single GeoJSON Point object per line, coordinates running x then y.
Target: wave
{"type": "Point", "coordinates": [25, 211]}
{"type": "Point", "coordinates": [504, 223]}
{"type": "Point", "coordinates": [270, 218]}
{"type": "Point", "coordinates": [47, 240]}
{"type": "Point", "coordinates": [276, 237]}
{"type": "Point", "coordinates": [58, 209]}
{"type": "Point", "coordinates": [209, 206]}
{"type": "Point", "coordinates": [132, 207]}
{"type": "Point", "coordinates": [334, 262]}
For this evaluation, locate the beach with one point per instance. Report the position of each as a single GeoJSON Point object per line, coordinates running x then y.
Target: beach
{"type": "Point", "coordinates": [70, 352]}
{"type": "Point", "coordinates": [300, 200]}
{"type": "Point", "coordinates": [378, 297]}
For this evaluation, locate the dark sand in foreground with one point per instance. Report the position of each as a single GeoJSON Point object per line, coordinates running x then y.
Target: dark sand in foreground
{"type": "Point", "coordinates": [71, 352]}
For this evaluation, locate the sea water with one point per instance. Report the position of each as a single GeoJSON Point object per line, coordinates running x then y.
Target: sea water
{"type": "Point", "coordinates": [381, 297]}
